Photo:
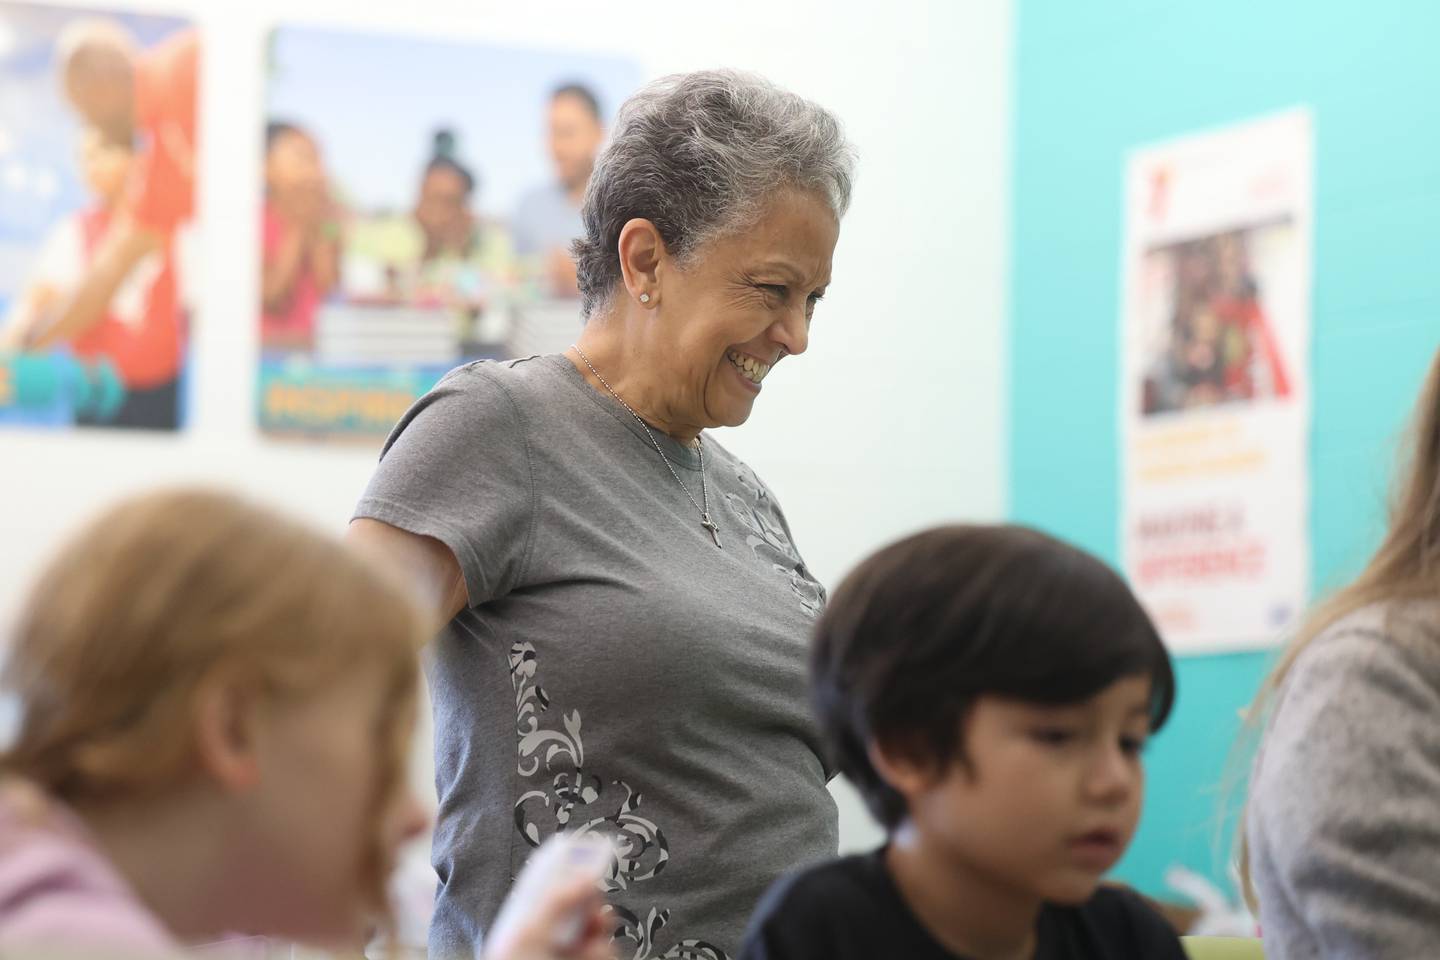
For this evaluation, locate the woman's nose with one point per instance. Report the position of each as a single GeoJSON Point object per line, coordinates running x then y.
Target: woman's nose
{"type": "Point", "coordinates": [793, 333]}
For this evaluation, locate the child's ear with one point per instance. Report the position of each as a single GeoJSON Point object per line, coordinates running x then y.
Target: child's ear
{"type": "Point", "coordinates": [226, 716]}
{"type": "Point", "coordinates": [904, 764]}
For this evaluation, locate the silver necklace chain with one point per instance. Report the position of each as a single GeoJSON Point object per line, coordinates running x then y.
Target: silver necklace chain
{"type": "Point", "coordinates": [704, 506]}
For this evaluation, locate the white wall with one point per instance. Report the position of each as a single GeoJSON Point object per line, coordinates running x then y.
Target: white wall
{"type": "Point", "coordinates": [892, 421]}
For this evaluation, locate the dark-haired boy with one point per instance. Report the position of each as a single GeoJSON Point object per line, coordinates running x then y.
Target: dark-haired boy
{"type": "Point", "coordinates": [989, 691]}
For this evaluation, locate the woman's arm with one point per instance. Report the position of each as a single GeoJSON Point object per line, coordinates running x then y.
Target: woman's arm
{"type": "Point", "coordinates": [453, 498]}
{"type": "Point", "coordinates": [428, 562]}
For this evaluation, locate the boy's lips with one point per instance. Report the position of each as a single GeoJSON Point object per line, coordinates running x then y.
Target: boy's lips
{"type": "Point", "coordinates": [1097, 848]}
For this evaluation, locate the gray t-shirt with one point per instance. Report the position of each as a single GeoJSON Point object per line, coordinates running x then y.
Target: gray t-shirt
{"type": "Point", "coordinates": [615, 670]}
{"type": "Point", "coordinates": [1344, 812]}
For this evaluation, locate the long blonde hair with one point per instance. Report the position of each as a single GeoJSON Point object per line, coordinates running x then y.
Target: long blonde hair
{"type": "Point", "coordinates": [158, 591]}
{"type": "Point", "coordinates": [1405, 567]}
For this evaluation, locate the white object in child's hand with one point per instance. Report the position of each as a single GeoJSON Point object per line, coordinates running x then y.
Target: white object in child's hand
{"type": "Point", "coordinates": [1219, 916]}
{"type": "Point", "coordinates": [563, 861]}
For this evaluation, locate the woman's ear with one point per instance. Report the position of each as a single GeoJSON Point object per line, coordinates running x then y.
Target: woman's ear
{"type": "Point", "coordinates": [226, 714]}
{"type": "Point", "coordinates": [641, 251]}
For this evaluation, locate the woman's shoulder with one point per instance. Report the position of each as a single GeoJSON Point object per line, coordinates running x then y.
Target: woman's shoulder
{"type": "Point", "coordinates": [1371, 647]}
{"type": "Point", "coordinates": [517, 373]}
{"type": "Point", "coordinates": [1370, 677]}
{"type": "Point", "coordinates": [1402, 620]}
{"type": "Point", "coordinates": [484, 398]}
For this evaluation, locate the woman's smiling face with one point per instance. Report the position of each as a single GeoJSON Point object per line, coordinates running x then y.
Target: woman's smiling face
{"type": "Point", "coordinates": [742, 302]}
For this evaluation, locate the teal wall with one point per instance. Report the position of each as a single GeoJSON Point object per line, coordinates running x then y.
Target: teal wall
{"type": "Point", "coordinates": [1095, 78]}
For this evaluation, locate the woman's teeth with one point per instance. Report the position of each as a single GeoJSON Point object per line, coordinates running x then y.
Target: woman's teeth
{"type": "Point", "coordinates": [753, 369]}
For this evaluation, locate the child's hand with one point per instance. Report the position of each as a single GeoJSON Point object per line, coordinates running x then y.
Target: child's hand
{"type": "Point", "coordinates": [544, 928]}
{"type": "Point", "coordinates": [306, 206]}
{"type": "Point", "coordinates": [555, 910]}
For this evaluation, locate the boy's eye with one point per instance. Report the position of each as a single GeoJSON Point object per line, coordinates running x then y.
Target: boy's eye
{"type": "Point", "coordinates": [1133, 746]}
{"type": "Point", "coordinates": [1052, 736]}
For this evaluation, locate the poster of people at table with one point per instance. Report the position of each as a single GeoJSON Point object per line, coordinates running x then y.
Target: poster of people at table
{"type": "Point", "coordinates": [97, 159]}
{"type": "Point", "coordinates": [1215, 405]}
{"type": "Point", "coordinates": [420, 198]}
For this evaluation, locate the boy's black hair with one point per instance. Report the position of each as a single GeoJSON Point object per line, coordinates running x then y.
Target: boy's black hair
{"type": "Point", "coordinates": [921, 629]}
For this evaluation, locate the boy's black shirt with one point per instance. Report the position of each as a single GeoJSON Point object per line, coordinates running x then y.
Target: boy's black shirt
{"type": "Point", "coordinates": [850, 909]}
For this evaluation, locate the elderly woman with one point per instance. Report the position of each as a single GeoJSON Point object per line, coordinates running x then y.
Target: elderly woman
{"type": "Point", "coordinates": [629, 614]}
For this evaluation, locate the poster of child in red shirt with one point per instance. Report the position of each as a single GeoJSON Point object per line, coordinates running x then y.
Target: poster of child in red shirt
{"type": "Point", "coordinates": [97, 166]}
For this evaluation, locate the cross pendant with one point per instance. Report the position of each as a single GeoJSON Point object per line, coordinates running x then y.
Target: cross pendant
{"type": "Point", "coordinates": [709, 524]}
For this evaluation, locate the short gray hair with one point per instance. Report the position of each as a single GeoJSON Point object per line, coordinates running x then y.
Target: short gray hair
{"type": "Point", "coordinates": [697, 154]}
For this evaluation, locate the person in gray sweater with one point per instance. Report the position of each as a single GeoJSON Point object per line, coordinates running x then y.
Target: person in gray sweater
{"type": "Point", "coordinates": [1343, 822]}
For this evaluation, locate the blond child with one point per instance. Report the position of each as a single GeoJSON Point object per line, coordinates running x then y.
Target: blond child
{"type": "Point", "coordinates": [215, 705]}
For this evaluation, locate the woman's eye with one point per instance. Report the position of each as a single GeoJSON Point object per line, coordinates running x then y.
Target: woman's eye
{"type": "Point", "coordinates": [775, 290]}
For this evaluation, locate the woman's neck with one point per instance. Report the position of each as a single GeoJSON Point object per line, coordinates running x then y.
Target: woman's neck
{"type": "Point", "coordinates": [625, 362]}
{"type": "Point", "coordinates": [968, 913]}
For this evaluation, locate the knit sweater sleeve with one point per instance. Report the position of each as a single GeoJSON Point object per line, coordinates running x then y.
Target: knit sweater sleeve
{"type": "Point", "coordinates": [1344, 816]}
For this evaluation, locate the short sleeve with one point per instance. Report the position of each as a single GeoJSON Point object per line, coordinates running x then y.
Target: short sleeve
{"type": "Point", "coordinates": [785, 926]}
{"type": "Point", "coordinates": [162, 194]}
{"type": "Point", "coordinates": [1343, 823]}
{"type": "Point", "coordinates": [162, 197]}
{"type": "Point", "coordinates": [457, 468]}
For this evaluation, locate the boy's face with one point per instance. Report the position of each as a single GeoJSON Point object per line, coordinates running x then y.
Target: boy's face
{"type": "Point", "coordinates": [1047, 798]}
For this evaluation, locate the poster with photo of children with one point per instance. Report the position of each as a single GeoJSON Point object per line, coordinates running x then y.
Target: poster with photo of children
{"type": "Point", "coordinates": [97, 154]}
{"type": "Point", "coordinates": [1215, 399]}
{"type": "Point", "coordinates": [419, 202]}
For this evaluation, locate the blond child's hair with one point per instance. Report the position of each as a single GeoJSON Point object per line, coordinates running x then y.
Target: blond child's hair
{"type": "Point", "coordinates": [156, 593]}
